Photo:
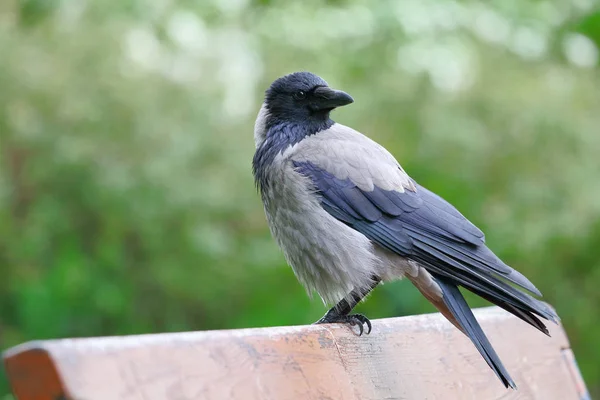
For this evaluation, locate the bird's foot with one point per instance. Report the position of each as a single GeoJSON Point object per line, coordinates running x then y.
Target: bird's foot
{"type": "Point", "coordinates": [351, 319]}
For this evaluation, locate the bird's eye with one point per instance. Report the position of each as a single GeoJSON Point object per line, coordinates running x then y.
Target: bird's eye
{"type": "Point", "coordinates": [299, 95]}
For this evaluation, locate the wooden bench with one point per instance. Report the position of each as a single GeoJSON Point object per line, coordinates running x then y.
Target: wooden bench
{"type": "Point", "coordinates": [420, 357]}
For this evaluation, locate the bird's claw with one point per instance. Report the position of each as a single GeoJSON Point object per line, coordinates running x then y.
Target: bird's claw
{"type": "Point", "coordinates": [360, 320]}
{"type": "Point", "coordinates": [352, 319]}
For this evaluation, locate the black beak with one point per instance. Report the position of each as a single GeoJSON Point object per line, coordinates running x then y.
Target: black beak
{"type": "Point", "coordinates": [328, 98]}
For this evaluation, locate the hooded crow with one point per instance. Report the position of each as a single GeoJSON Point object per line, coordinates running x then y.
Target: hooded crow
{"type": "Point", "coordinates": [347, 217]}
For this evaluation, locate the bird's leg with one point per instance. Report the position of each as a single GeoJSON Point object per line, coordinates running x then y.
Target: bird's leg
{"type": "Point", "coordinates": [340, 313]}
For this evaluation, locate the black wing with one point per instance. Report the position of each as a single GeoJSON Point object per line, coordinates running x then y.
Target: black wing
{"type": "Point", "coordinates": [424, 227]}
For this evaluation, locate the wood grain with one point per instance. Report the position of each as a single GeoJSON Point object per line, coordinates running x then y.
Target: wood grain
{"type": "Point", "coordinates": [420, 357]}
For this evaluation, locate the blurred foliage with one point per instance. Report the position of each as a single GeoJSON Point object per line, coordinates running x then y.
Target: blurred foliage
{"type": "Point", "coordinates": [126, 197]}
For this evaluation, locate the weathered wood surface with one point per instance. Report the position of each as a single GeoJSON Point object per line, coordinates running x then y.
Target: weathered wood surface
{"type": "Point", "coordinates": [420, 357]}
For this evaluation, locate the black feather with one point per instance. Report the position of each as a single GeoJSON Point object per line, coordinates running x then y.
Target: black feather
{"type": "Point", "coordinates": [423, 227]}
{"type": "Point", "coordinates": [459, 308]}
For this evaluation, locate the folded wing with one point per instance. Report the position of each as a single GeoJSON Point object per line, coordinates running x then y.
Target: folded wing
{"type": "Point", "coordinates": [413, 222]}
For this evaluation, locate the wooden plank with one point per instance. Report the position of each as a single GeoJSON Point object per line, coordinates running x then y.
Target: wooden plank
{"type": "Point", "coordinates": [420, 357]}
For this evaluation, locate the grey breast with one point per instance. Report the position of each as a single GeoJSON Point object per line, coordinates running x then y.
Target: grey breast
{"type": "Point", "coordinates": [326, 255]}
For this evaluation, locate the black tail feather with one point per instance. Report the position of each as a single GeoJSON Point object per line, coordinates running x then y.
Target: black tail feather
{"type": "Point", "coordinates": [525, 315]}
{"type": "Point", "coordinates": [495, 288]}
{"type": "Point", "coordinates": [460, 310]}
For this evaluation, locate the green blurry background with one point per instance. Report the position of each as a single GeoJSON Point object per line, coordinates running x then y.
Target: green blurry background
{"type": "Point", "coordinates": [127, 203]}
